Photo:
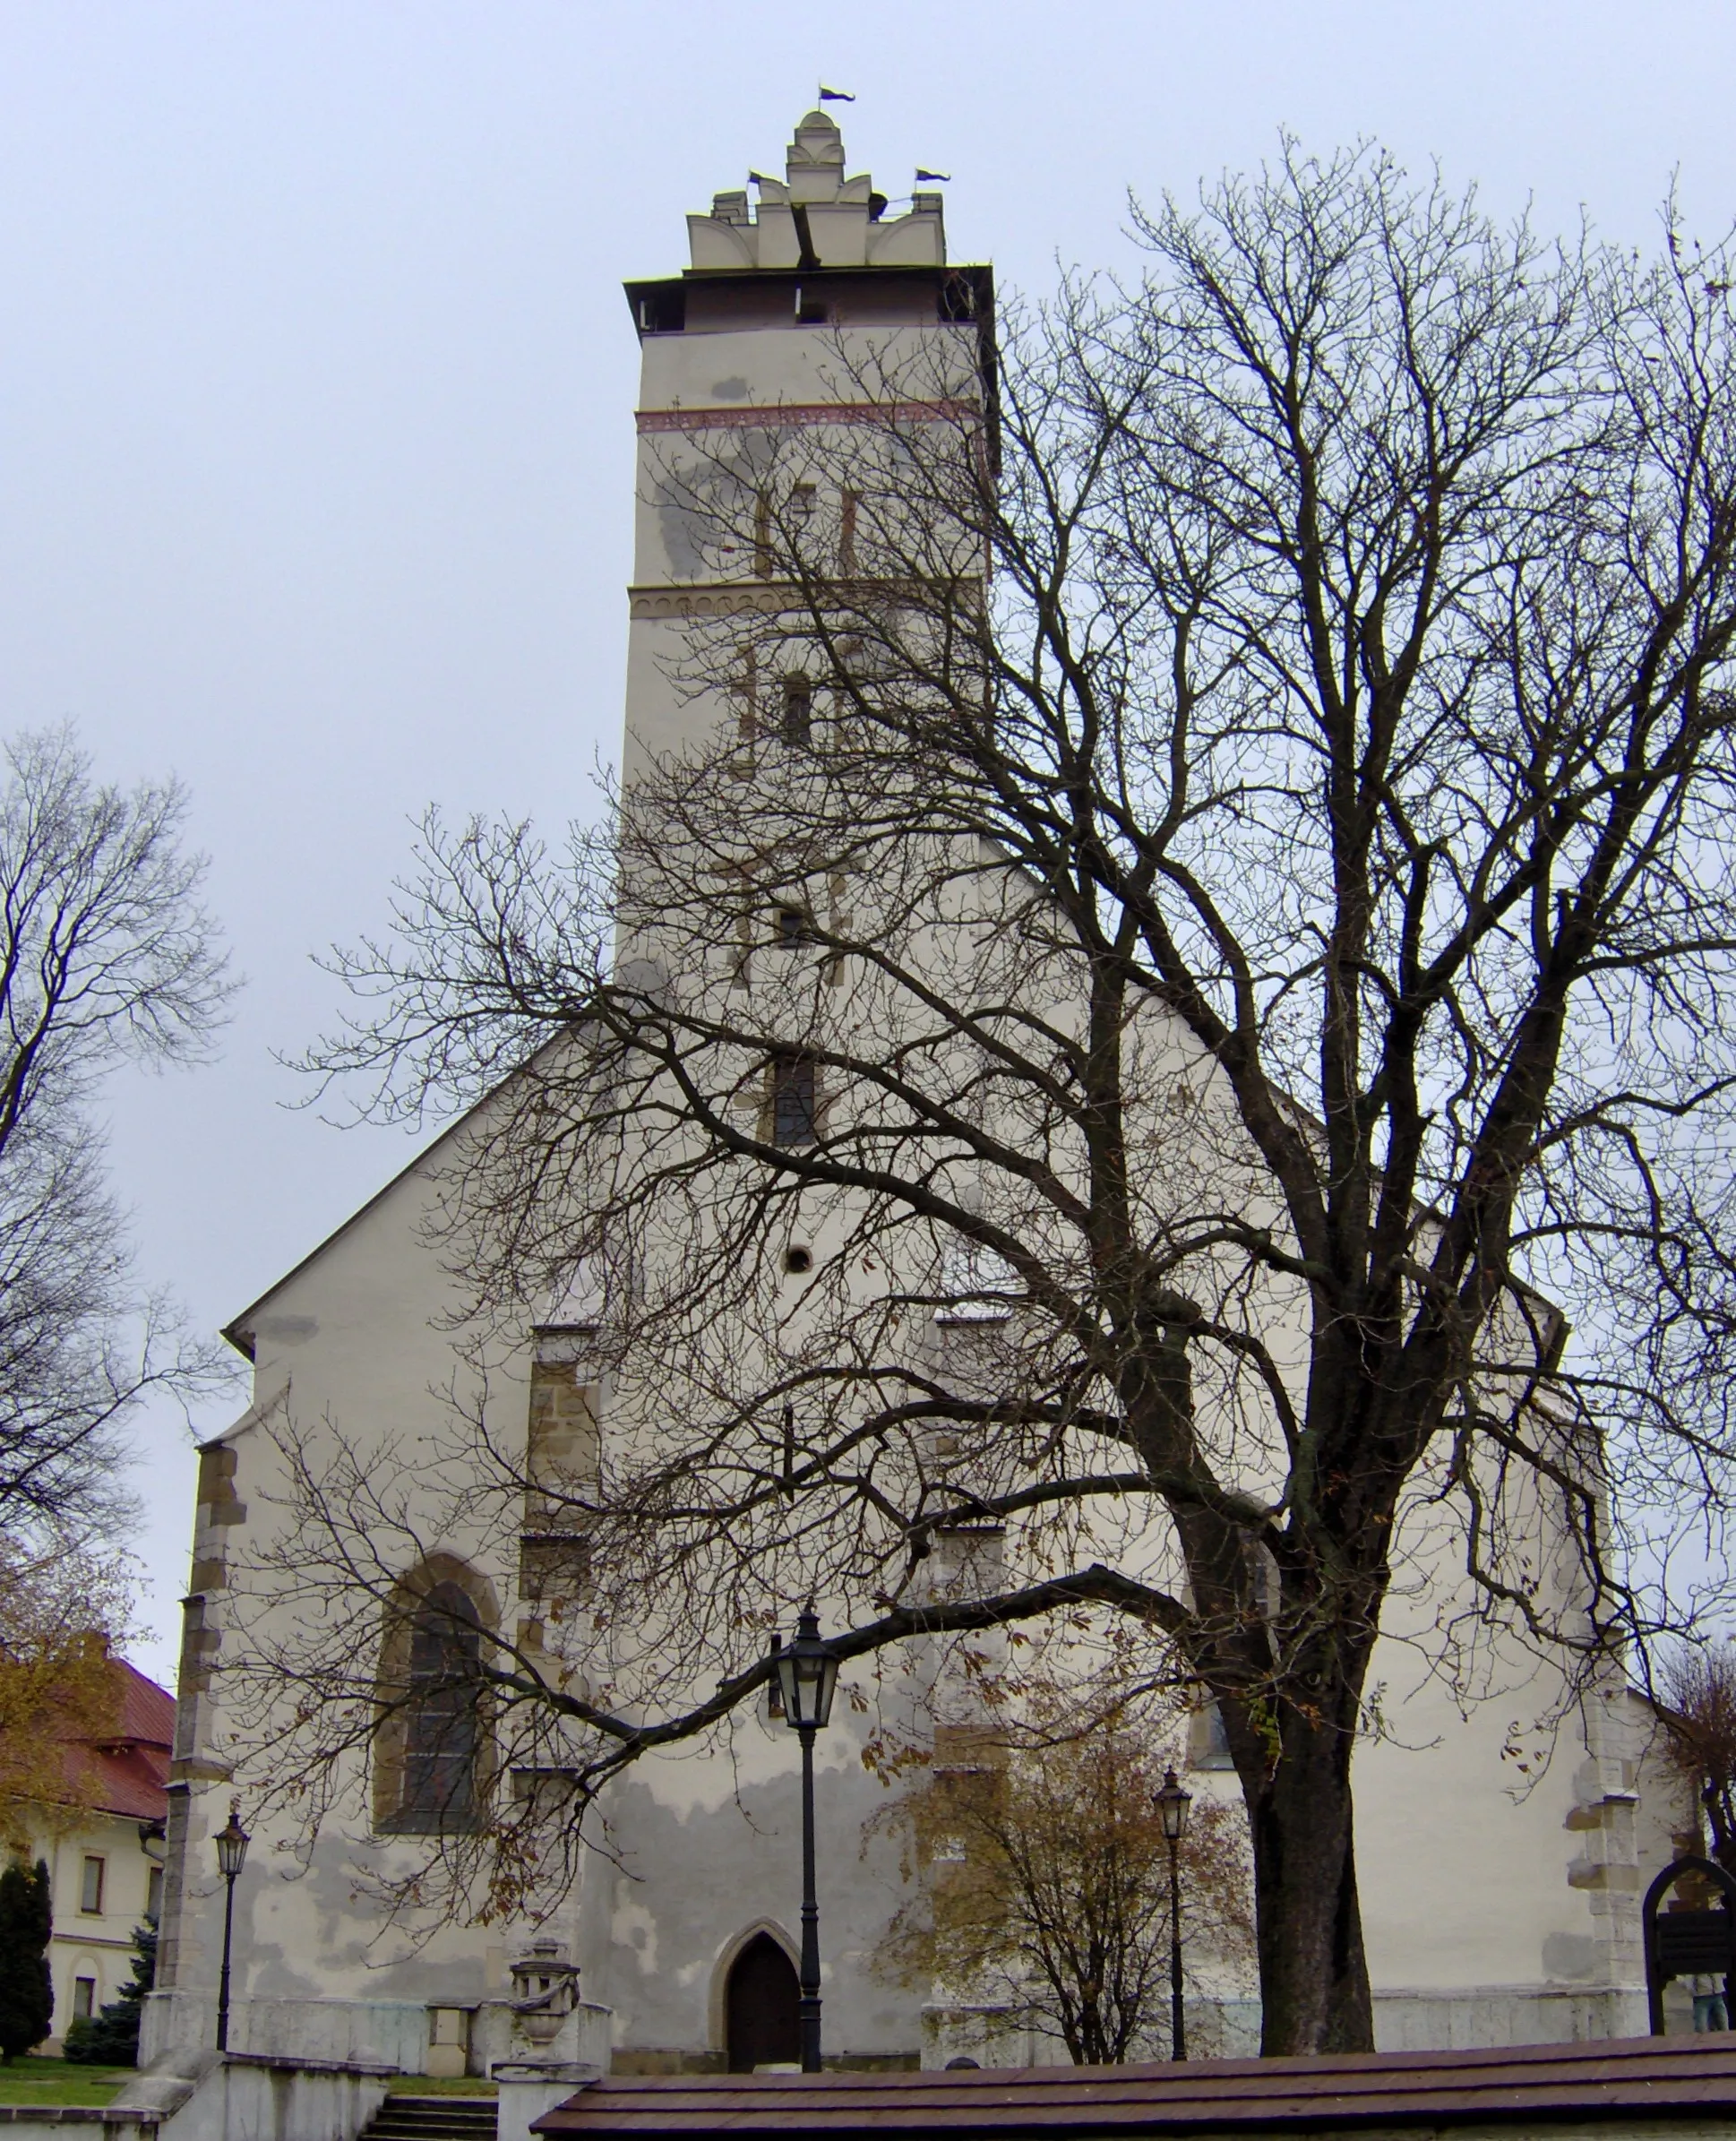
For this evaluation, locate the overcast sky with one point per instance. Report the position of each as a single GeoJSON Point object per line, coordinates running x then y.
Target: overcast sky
{"type": "Point", "coordinates": [317, 386]}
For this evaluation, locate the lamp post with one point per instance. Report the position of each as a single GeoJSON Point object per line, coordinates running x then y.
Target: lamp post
{"type": "Point", "coordinates": [807, 1673]}
{"type": "Point", "coordinates": [231, 1856]}
{"type": "Point", "coordinates": [1172, 1804]}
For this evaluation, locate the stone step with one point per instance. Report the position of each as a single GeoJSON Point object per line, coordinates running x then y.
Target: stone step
{"type": "Point", "coordinates": [433, 2118]}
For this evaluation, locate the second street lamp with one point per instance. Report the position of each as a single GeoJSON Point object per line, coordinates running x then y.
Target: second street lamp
{"type": "Point", "coordinates": [1172, 1804]}
{"type": "Point", "coordinates": [807, 1673]}
{"type": "Point", "coordinates": [231, 1856]}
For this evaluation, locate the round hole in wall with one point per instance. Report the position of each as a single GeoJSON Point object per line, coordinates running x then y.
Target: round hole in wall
{"type": "Point", "coordinates": [797, 1259]}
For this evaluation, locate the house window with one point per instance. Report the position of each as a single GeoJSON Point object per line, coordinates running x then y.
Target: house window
{"type": "Point", "coordinates": [797, 726]}
{"type": "Point", "coordinates": [91, 1888]}
{"type": "Point", "coordinates": [793, 1100]}
{"type": "Point", "coordinates": [792, 928]}
{"type": "Point", "coordinates": [762, 557]}
{"type": "Point", "coordinates": [442, 1733]}
{"type": "Point", "coordinates": [84, 1999]}
{"type": "Point", "coordinates": [154, 1894]}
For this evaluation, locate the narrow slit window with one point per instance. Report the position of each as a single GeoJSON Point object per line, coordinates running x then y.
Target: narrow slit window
{"type": "Point", "coordinates": [747, 707]}
{"type": "Point", "coordinates": [762, 560]}
{"type": "Point", "coordinates": [793, 1100]}
{"type": "Point", "coordinates": [846, 532]}
{"type": "Point", "coordinates": [798, 713]}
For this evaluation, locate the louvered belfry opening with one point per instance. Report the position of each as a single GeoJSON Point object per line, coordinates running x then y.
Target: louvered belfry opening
{"type": "Point", "coordinates": [760, 2001]}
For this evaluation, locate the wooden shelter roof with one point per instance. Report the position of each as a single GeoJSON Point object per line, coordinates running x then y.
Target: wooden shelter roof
{"type": "Point", "coordinates": [1620, 2079]}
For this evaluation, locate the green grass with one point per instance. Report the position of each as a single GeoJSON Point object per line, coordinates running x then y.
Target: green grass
{"type": "Point", "coordinates": [428, 2084]}
{"type": "Point", "coordinates": [32, 2081]}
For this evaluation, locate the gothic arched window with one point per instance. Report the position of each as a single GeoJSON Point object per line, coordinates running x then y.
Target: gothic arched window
{"type": "Point", "coordinates": [431, 1744]}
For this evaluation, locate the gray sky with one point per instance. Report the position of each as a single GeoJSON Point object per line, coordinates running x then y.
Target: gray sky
{"type": "Point", "coordinates": [316, 382]}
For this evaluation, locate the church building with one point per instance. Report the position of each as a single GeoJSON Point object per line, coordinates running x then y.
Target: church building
{"type": "Point", "coordinates": [1500, 1906]}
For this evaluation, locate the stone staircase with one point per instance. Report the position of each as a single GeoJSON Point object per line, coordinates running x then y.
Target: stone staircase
{"type": "Point", "coordinates": [433, 2118]}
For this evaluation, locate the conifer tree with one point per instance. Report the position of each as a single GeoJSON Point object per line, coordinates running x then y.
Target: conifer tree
{"type": "Point", "coordinates": [26, 1998]}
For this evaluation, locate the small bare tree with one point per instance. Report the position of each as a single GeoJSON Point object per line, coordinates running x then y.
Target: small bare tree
{"type": "Point", "coordinates": [1177, 1000]}
{"type": "Point", "coordinates": [1698, 1714]}
{"type": "Point", "coordinates": [1042, 1886]}
{"type": "Point", "coordinates": [106, 958]}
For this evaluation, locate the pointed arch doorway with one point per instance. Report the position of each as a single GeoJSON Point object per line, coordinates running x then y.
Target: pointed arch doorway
{"type": "Point", "coordinates": [761, 2026]}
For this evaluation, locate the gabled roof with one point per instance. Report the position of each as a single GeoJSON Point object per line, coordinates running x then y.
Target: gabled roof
{"type": "Point", "coordinates": [127, 1772]}
{"type": "Point", "coordinates": [239, 1330]}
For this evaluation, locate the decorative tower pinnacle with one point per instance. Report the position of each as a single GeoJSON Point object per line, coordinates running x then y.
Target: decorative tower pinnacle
{"type": "Point", "coordinates": [815, 217]}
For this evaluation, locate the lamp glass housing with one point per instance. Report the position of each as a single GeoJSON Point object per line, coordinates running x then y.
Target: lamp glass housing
{"type": "Point", "coordinates": [807, 1676]}
{"type": "Point", "coordinates": [231, 1847]}
{"type": "Point", "coordinates": [1173, 1804]}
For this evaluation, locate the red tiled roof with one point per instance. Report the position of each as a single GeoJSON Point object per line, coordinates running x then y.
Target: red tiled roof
{"type": "Point", "coordinates": [127, 1774]}
{"type": "Point", "coordinates": [146, 1710]}
{"type": "Point", "coordinates": [1623, 2078]}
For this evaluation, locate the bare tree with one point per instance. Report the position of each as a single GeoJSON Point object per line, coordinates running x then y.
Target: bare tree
{"type": "Point", "coordinates": [1040, 1877]}
{"type": "Point", "coordinates": [1179, 1002]}
{"type": "Point", "coordinates": [1697, 1711]}
{"type": "Point", "coordinates": [106, 958]}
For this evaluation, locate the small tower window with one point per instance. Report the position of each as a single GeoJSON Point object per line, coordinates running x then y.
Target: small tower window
{"type": "Point", "coordinates": [793, 1100]}
{"type": "Point", "coordinates": [793, 929]}
{"type": "Point", "coordinates": [798, 713]}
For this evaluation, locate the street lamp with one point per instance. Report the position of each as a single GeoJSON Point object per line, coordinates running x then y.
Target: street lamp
{"type": "Point", "coordinates": [231, 1857]}
{"type": "Point", "coordinates": [807, 1673]}
{"type": "Point", "coordinates": [1172, 1804]}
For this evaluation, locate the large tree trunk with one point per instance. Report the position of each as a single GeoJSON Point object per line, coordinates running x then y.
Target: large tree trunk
{"type": "Point", "coordinates": [1314, 1982]}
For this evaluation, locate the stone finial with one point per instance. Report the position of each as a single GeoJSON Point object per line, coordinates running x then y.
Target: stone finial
{"type": "Point", "coordinates": [818, 144]}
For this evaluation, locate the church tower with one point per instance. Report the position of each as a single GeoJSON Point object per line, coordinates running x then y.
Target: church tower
{"type": "Point", "coordinates": [816, 308]}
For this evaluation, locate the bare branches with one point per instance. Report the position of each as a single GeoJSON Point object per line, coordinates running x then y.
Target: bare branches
{"type": "Point", "coordinates": [1154, 935]}
{"type": "Point", "coordinates": [106, 957]}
